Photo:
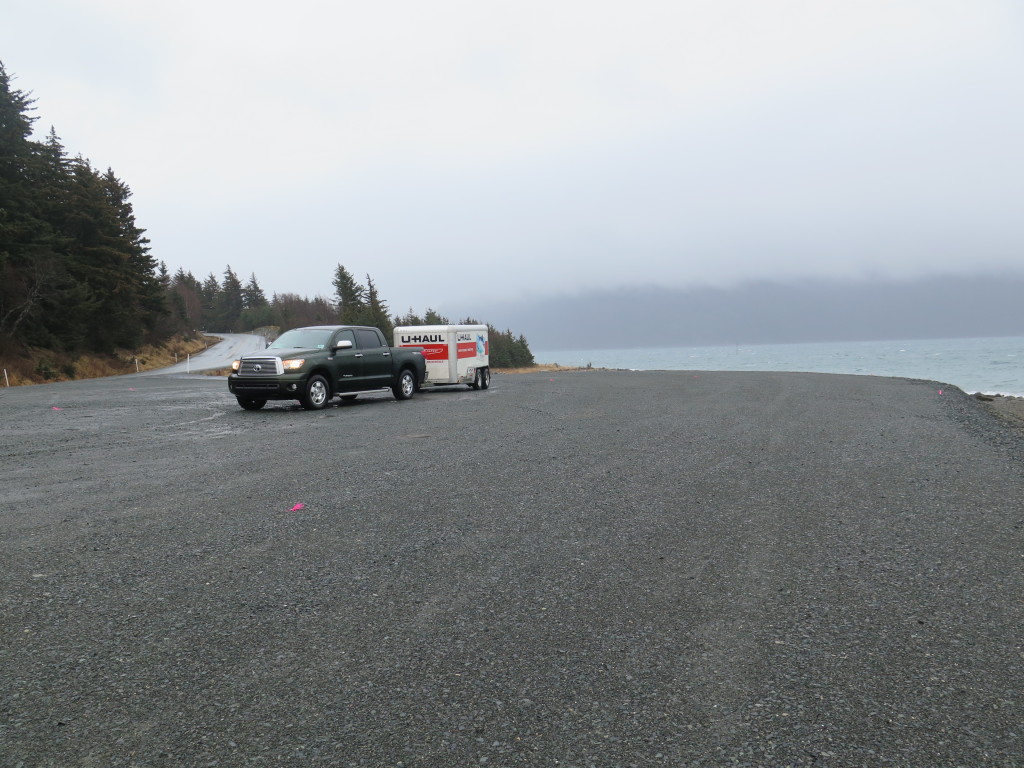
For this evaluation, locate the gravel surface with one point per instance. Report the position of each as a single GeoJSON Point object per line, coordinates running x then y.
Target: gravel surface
{"type": "Point", "coordinates": [599, 568]}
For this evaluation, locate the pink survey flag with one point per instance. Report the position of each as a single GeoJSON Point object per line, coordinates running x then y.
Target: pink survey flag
{"type": "Point", "coordinates": [298, 506]}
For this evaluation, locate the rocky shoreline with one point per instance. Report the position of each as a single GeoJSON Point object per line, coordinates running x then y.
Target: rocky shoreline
{"type": "Point", "coordinates": [1007, 407]}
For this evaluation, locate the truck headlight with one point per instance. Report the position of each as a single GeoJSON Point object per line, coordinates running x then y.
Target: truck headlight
{"type": "Point", "coordinates": [292, 365]}
{"type": "Point", "coordinates": [236, 365]}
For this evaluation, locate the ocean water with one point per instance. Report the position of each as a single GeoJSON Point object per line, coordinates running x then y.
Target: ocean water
{"type": "Point", "coordinates": [991, 365]}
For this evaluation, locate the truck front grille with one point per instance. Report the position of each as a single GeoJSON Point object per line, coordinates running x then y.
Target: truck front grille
{"type": "Point", "coordinates": [261, 366]}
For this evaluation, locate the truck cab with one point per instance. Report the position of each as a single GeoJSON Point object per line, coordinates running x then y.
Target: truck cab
{"type": "Point", "coordinates": [316, 363]}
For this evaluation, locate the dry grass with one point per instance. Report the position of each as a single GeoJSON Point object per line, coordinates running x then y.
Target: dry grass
{"type": "Point", "coordinates": [545, 368]}
{"type": "Point", "coordinates": [37, 366]}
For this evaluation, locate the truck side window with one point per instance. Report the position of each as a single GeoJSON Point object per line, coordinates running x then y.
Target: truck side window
{"type": "Point", "coordinates": [345, 336]}
{"type": "Point", "coordinates": [368, 339]}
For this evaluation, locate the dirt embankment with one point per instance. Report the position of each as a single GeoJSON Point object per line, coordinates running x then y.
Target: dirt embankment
{"type": "Point", "coordinates": [38, 366]}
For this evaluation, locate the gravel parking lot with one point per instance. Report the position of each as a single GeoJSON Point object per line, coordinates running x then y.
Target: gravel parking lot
{"type": "Point", "coordinates": [601, 568]}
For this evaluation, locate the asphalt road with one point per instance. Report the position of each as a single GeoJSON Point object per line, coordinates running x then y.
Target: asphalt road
{"type": "Point", "coordinates": [584, 569]}
{"type": "Point", "coordinates": [220, 355]}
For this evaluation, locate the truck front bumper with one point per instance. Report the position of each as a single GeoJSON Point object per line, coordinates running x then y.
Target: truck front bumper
{"type": "Point", "coordinates": [282, 387]}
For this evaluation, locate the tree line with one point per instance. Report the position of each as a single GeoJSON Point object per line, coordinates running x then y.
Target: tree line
{"type": "Point", "coordinates": [230, 305]}
{"type": "Point", "coordinates": [77, 273]}
{"type": "Point", "coordinates": [75, 270]}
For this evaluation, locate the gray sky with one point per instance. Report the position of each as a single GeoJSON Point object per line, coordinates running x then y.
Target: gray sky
{"type": "Point", "coordinates": [510, 150]}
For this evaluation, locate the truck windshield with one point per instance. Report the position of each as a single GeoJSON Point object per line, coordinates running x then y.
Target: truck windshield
{"type": "Point", "coordinates": [303, 338]}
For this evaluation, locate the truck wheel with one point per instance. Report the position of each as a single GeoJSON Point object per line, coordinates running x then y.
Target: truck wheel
{"type": "Point", "coordinates": [405, 388]}
{"type": "Point", "coordinates": [317, 393]}
{"type": "Point", "coordinates": [485, 378]}
{"type": "Point", "coordinates": [249, 404]}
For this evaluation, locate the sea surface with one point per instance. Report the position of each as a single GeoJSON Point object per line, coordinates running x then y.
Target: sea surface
{"type": "Point", "coordinates": [991, 365]}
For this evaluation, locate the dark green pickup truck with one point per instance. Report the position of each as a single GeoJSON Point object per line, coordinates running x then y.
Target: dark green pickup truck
{"type": "Point", "coordinates": [314, 364]}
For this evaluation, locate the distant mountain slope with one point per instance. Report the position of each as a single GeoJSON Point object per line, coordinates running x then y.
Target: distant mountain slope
{"type": "Point", "coordinates": [765, 312]}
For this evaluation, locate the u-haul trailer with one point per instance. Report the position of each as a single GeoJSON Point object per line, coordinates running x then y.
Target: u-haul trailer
{"type": "Point", "coordinates": [455, 354]}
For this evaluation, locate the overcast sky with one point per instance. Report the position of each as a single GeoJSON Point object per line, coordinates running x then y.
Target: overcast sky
{"type": "Point", "coordinates": [520, 149]}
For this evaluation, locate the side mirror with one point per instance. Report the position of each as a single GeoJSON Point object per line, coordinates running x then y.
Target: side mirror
{"type": "Point", "coordinates": [343, 344]}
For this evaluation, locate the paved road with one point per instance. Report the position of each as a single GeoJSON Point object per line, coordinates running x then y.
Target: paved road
{"type": "Point", "coordinates": [219, 356]}
{"type": "Point", "coordinates": [586, 569]}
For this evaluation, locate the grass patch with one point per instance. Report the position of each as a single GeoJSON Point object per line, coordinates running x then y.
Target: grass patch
{"type": "Point", "coordinates": [546, 368]}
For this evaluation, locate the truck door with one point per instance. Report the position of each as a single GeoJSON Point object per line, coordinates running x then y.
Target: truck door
{"type": "Point", "coordinates": [376, 358]}
{"type": "Point", "coordinates": [346, 365]}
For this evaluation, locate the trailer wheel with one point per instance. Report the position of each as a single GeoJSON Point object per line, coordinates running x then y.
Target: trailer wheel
{"type": "Point", "coordinates": [250, 404]}
{"type": "Point", "coordinates": [316, 394]}
{"type": "Point", "coordinates": [476, 380]}
{"type": "Point", "coordinates": [405, 387]}
{"type": "Point", "coordinates": [349, 398]}
{"type": "Point", "coordinates": [485, 378]}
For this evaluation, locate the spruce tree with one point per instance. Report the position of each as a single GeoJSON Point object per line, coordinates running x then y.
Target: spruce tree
{"type": "Point", "coordinates": [229, 301]}
{"type": "Point", "coordinates": [210, 292]}
{"type": "Point", "coordinates": [409, 318]}
{"type": "Point", "coordinates": [29, 248]}
{"type": "Point", "coordinates": [376, 311]}
{"type": "Point", "coordinates": [433, 317]}
{"type": "Point", "coordinates": [140, 266]}
{"type": "Point", "coordinates": [252, 295]}
{"type": "Point", "coordinates": [186, 298]}
{"type": "Point", "coordinates": [349, 296]}
{"type": "Point", "coordinates": [75, 270]}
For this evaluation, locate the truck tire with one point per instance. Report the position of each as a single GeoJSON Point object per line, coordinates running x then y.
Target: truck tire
{"type": "Point", "coordinates": [485, 378]}
{"type": "Point", "coordinates": [405, 387]}
{"type": "Point", "coordinates": [316, 394]}
{"type": "Point", "coordinates": [250, 404]}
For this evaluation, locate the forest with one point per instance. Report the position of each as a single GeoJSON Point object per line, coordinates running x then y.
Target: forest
{"type": "Point", "coordinates": [78, 275]}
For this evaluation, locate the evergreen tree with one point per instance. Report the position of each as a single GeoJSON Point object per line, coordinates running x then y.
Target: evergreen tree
{"type": "Point", "coordinates": [105, 262]}
{"type": "Point", "coordinates": [409, 318]}
{"type": "Point", "coordinates": [257, 312]}
{"type": "Point", "coordinates": [139, 266]}
{"type": "Point", "coordinates": [376, 311]}
{"type": "Point", "coordinates": [432, 317]}
{"type": "Point", "coordinates": [506, 350]}
{"type": "Point", "coordinates": [230, 302]}
{"type": "Point", "coordinates": [349, 296]}
{"type": "Point", "coordinates": [186, 299]}
{"type": "Point", "coordinates": [163, 276]}
{"type": "Point", "coordinates": [210, 293]}
{"type": "Point", "coordinates": [15, 123]}
{"type": "Point", "coordinates": [29, 248]}
{"type": "Point", "coordinates": [292, 311]}
{"type": "Point", "coordinates": [252, 295]}
{"type": "Point", "coordinates": [75, 270]}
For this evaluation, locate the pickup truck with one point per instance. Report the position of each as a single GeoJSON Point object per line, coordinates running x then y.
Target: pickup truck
{"type": "Point", "coordinates": [314, 364]}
